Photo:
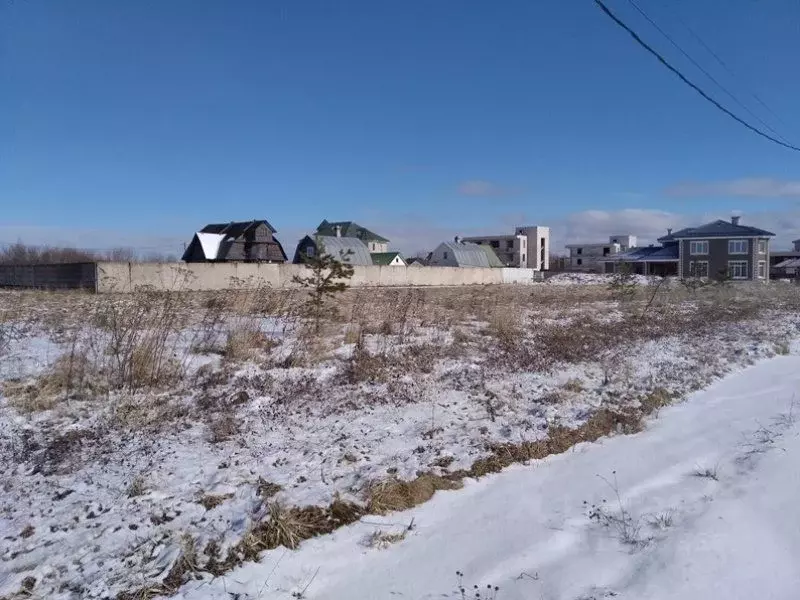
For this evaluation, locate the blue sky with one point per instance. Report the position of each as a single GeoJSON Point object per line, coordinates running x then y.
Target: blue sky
{"type": "Point", "coordinates": [135, 123]}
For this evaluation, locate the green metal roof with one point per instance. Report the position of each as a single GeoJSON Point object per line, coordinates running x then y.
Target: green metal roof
{"type": "Point", "coordinates": [349, 229]}
{"type": "Point", "coordinates": [384, 258]}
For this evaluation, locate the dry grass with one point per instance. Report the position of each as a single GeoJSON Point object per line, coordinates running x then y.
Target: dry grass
{"type": "Point", "coordinates": [573, 385]}
{"type": "Point", "coordinates": [222, 428]}
{"type": "Point", "coordinates": [383, 539]}
{"type": "Point", "coordinates": [72, 376]}
{"type": "Point", "coordinates": [394, 495]}
{"type": "Point", "coordinates": [209, 501]}
{"type": "Point", "coordinates": [245, 342]}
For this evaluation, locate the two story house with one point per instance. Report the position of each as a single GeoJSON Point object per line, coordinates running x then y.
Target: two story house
{"type": "Point", "coordinates": [720, 248]}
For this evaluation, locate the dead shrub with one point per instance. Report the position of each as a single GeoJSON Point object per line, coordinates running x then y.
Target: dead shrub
{"type": "Point", "coordinates": [364, 366]}
{"type": "Point", "coordinates": [222, 428]}
{"type": "Point", "coordinates": [245, 342]}
{"type": "Point", "coordinates": [506, 326]}
{"type": "Point", "coordinates": [394, 495]}
{"type": "Point", "coordinates": [137, 487]}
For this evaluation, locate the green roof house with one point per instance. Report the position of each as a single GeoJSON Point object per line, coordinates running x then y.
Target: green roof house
{"type": "Point", "coordinates": [349, 229]}
{"type": "Point", "coordinates": [388, 259]}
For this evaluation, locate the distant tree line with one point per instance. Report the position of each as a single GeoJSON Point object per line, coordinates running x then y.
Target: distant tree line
{"type": "Point", "coordinates": [23, 254]}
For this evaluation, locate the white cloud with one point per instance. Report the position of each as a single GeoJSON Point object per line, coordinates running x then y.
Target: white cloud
{"type": "Point", "coordinates": [764, 187]}
{"type": "Point", "coordinates": [479, 187]}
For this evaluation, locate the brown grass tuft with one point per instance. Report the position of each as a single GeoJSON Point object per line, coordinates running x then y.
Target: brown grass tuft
{"type": "Point", "coordinates": [209, 501]}
{"type": "Point", "coordinates": [393, 494]}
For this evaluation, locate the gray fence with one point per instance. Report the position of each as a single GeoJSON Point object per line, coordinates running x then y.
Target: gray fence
{"type": "Point", "coordinates": [61, 276]}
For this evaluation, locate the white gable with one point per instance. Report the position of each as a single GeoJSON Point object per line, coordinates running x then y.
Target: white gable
{"type": "Point", "coordinates": [210, 243]}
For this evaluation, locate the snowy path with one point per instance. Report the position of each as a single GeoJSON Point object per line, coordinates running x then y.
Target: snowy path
{"type": "Point", "coordinates": [527, 529]}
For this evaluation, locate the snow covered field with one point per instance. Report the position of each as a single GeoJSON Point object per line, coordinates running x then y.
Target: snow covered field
{"type": "Point", "coordinates": [707, 508]}
{"type": "Point", "coordinates": [113, 478]}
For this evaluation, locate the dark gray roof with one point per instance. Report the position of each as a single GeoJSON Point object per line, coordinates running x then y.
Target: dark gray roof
{"type": "Point", "coordinates": [235, 228]}
{"type": "Point", "coordinates": [645, 254]}
{"type": "Point", "coordinates": [349, 229]}
{"type": "Point", "coordinates": [718, 228]}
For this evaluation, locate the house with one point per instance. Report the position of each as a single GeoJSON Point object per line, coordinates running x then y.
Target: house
{"type": "Point", "coordinates": [586, 257]}
{"type": "Point", "coordinates": [350, 250]}
{"type": "Point", "coordinates": [251, 241]}
{"type": "Point", "coordinates": [349, 229]}
{"type": "Point", "coordinates": [463, 254]}
{"type": "Point", "coordinates": [388, 259]}
{"type": "Point", "coordinates": [776, 257]}
{"type": "Point", "coordinates": [528, 247]}
{"type": "Point", "coordinates": [417, 261]}
{"type": "Point", "coordinates": [719, 248]}
{"type": "Point", "coordinates": [786, 269]}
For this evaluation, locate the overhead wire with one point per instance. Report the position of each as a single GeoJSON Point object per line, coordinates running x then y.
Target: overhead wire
{"type": "Point", "coordinates": [698, 38]}
{"type": "Point", "coordinates": [692, 85]}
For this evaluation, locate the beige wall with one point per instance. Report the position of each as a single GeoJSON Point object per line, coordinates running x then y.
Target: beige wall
{"type": "Point", "coordinates": [125, 277]}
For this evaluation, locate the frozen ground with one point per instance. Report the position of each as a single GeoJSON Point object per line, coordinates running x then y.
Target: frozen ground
{"type": "Point", "coordinates": [707, 507]}
{"type": "Point", "coordinates": [100, 495]}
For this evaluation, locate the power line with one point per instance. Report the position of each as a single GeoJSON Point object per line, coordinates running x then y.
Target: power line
{"type": "Point", "coordinates": [683, 78]}
{"type": "Point", "coordinates": [704, 71]}
{"type": "Point", "coordinates": [724, 64]}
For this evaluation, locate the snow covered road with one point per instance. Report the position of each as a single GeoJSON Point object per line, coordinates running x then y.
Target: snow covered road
{"type": "Point", "coordinates": [709, 507]}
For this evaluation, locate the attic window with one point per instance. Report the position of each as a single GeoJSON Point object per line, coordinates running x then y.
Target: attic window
{"type": "Point", "coordinates": [310, 251]}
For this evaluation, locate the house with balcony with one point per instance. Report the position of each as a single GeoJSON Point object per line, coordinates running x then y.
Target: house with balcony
{"type": "Point", "coordinates": [715, 250]}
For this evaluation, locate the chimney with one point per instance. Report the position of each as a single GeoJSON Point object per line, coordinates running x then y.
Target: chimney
{"type": "Point", "coordinates": [338, 230]}
{"type": "Point", "coordinates": [735, 220]}
{"type": "Point", "coordinates": [457, 239]}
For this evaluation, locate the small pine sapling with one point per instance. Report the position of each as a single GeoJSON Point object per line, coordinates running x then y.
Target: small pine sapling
{"type": "Point", "coordinates": [327, 276]}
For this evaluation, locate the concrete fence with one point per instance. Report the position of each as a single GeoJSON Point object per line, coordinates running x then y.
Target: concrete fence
{"type": "Point", "coordinates": [126, 277]}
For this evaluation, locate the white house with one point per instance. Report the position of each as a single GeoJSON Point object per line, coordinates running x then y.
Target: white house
{"type": "Point", "coordinates": [587, 257]}
{"type": "Point", "coordinates": [528, 247]}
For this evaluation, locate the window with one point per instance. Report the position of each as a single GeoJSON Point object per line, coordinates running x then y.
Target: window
{"type": "Point", "coordinates": [737, 246]}
{"type": "Point", "coordinates": [310, 251]}
{"type": "Point", "coordinates": [698, 268]}
{"type": "Point", "coordinates": [579, 251]}
{"type": "Point", "coordinates": [762, 269]}
{"type": "Point", "coordinates": [762, 246]}
{"type": "Point", "coordinates": [509, 244]}
{"type": "Point", "coordinates": [494, 244]}
{"type": "Point", "coordinates": [542, 243]}
{"type": "Point", "coordinates": [698, 247]}
{"type": "Point", "coordinates": [606, 251]}
{"type": "Point", "coordinates": [445, 255]}
{"type": "Point", "coordinates": [523, 258]}
{"type": "Point", "coordinates": [580, 262]}
{"type": "Point", "coordinates": [737, 269]}
{"type": "Point", "coordinates": [524, 242]}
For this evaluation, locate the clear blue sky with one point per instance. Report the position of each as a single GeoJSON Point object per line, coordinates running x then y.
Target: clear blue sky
{"type": "Point", "coordinates": [155, 117]}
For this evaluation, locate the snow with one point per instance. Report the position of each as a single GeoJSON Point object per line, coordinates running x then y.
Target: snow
{"type": "Point", "coordinates": [528, 531]}
{"type": "Point", "coordinates": [210, 243]}
{"type": "Point", "coordinates": [67, 472]}
{"type": "Point", "coordinates": [593, 279]}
